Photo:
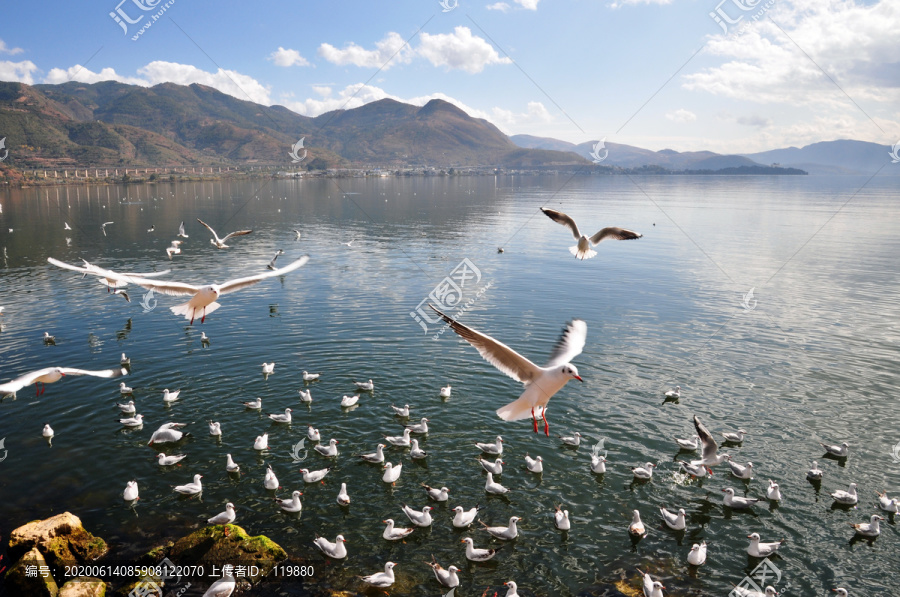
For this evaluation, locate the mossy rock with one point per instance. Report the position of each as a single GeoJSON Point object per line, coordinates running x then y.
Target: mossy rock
{"type": "Point", "coordinates": [61, 539]}
{"type": "Point", "coordinates": [154, 556]}
{"type": "Point", "coordinates": [83, 586]}
{"type": "Point", "coordinates": [211, 547]}
{"type": "Point", "coordinates": [17, 583]}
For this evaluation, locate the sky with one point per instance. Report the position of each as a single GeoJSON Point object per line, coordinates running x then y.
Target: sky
{"type": "Point", "coordinates": [732, 76]}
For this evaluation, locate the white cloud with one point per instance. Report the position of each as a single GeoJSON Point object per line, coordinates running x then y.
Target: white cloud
{"type": "Point", "coordinates": [528, 4]}
{"type": "Point", "coordinates": [287, 57]}
{"type": "Point", "coordinates": [501, 6]}
{"type": "Point", "coordinates": [11, 51]}
{"type": "Point", "coordinates": [618, 3]}
{"type": "Point", "coordinates": [322, 90]}
{"type": "Point", "coordinates": [18, 71]}
{"type": "Point", "coordinates": [84, 75]}
{"type": "Point", "coordinates": [681, 115]}
{"type": "Point", "coordinates": [459, 50]}
{"type": "Point", "coordinates": [754, 120]}
{"type": "Point", "coordinates": [854, 43]}
{"type": "Point", "coordinates": [387, 52]}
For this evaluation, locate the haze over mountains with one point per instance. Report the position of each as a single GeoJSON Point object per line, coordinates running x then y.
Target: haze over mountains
{"type": "Point", "coordinates": [118, 125]}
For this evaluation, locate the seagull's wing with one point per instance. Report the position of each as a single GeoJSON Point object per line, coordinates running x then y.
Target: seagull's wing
{"type": "Point", "coordinates": [107, 373]}
{"type": "Point", "coordinates": [208, 227]}
{"type": "Point", "coordinates": [149, 274]}
{"type": "Point", "coordinates": [496, 353]}
{"type": "Point", "coordinates": [709, 447]}
{"type": "Point", "coordinates": [560, 217]}
{"type": "Point", "coordinates": [570, 343]}
{"type": "Point", "coordinates": [238, 284]}
{"type": "Point", "coordinates": [237, 233]}
{"type": "Point", "coordinates": [181, 228]}
{"type": "Point", "coordinates": [13, 386]}
{"type": "Point", "coordinates": [615, 233]}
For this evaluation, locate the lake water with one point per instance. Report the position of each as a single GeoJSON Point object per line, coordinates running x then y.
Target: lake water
{"type": "Point", "coordinates": [813, 357]}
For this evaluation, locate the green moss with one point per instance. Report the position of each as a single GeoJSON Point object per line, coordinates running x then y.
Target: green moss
{"type": "Point", "coordinates": [211, 547]}
{"type": "Point", "coordinates": [83, 586]}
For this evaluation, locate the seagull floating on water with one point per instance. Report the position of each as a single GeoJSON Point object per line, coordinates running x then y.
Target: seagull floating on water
{"type": "Point", "coordinates": [230, 465]}
{"type": "Point", "coordinates": [644, 473]}
{"type": "Point", "coordinates": [740, 471]}
{"type": "Point", "coordinates": [495, 467]}
{"type": "Point", "coordinates": [306, 396]}
{"type": "Point", "coordinates": [401, 441]}
{"type": "Point", "coordinates": [709, 447]}
{"type": "Point", "coordinates": [226, 517]}
{"type": "Point", "coordinates": [847, 498]}
{"type": "Point", "coordinates": [419, 518]}
{"type": "Point", "coordinates": [598, 463]}
{"type": "Point", "coordinates": [463, 518]}
{"type": "Point", "coordinates": [164, 460]}
{"type": "Point", "coordinates": [348, 401]}
{"type": "Point", "coordinates": [697, 555]}
{"type": "Point", "coordinates": [475, 554]}
{"type": "Point", "coordinates": [382, 580]}
{"type": "Point", "coordinates": [219, 243]}
{"type": "Point", "coordinates": [366, 386]}
{"type": "Point", "coordinates": [494, 448]}
{"type": "Point", "coordinates": [742, 592]}
{"type": "Point", "coordinates": [561, 519]}
{"type": "Point", "coordinates": [506, 533]}
{"type": "Point", "coordinates": [311, 376]}
{"type": "Point", "coordinates": [268, 369]}
{"type": "Point", "coordinates": [815, 473]}
{"type": "Point", "coordinates": [314, 476]}
{"type": "Point", "coordinates": [291, 504]}
{"type": "Point", "coordinates": [676, 393]}
{"type": "Point", "coordinates": [541, 383]}
{"type": "Point", "coordinates": [47, 431]}
{"type": "Point", "coordinates": [534, 465]}
{"type": "Point", "coordinates": [869, 529]}
{"type": "Point", "coordinates": [773, 493]}
{"type": "Point", "coordinates": [127, 408]}
{"type": "Point", "coordinates": [313, 434]}
{"type": "Point", "coordinates": [271, 481]}
{"type": "Point", "coordinates": [285, 418]}
{"type": "Point", "coordinates": [401, 411]}
{"type": "Point", "coordinates": [438, 495]}
{"type": "Point", "coordinates": [261, 442]}
{"type": "Point", "coordinates": [135, 421]}
{"type": "Point", "coordinates": [124, 361]}
{"type": "Point", "coordinates": [583, 249]}
{"type": "Point", "coordinates": [191, 488]}
{"type": "Point", "coordinates": [124, 389]}
{"type": "Point", "coordinates": [674, 521]}
{"type": "Point", "coordinates": [253, 404]}
{"type": "Point", "coordinates": [888, 504]}
{"type": "Point", "coordinates": [391, 472]}
{"type": "Point", "coordinates": [415, 452]}
{"type": "Point", "coordinates": [170, 396]}
{"type": "Point", "coordinates": [335, 550]}
{"type": "Point", "coordinates": [203, 298]}
{"type": "Point", "coordinates": [448, 577]}
{"type": "Point", "coordinates": [166, 434]}
{"type": "Point", "coordinates": [329, 450]}
{"type": "Point", "coordinates": [688, 444]}
{"type": "Point", "coordinates": [445, 391]}
{"type": "Point", "coordinates": [490, 486]}
{"type": "Point", "coordinates": [343, 498]}
{"type": "Point", "coordinates": [392, 533]}
{"type": "Point", "coordinates": [215, 429]}
{"type": "Point", "coordinates": [636, 527]}
{"type": "Point", "coordinates": [841, 451]}
{"type": "Point", "coordinates": [761, 550]}
{"type": "Point", "coordinates": [737, 502]}
{"type": "Point", "coordinates": [48, 339]}
{"type": "Point", "coordinates": [735, 437]}
{"type": "Point", "coordinates": [131, 492]}
{"type": "Point", "coordinates": [376, 457]}
{"type": "Point", "coordinates": [420, 427]}
{"type": "Point", "coordinates": [571, 440]}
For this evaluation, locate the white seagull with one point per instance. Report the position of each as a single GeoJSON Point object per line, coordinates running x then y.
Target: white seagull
{"type": "Point", "coordinates": [463, 517]}
{"type": "Point", "coordinates": [48, 339]}
{"type": "Point", "coordinates": [131, 492]}
{"type": "Point", "coordinates": [376, 457]}
{"type": "Point", "coordinates": [47, 431]}
{"type": "Point", "coordinates": [534, 465]}
{"type": "Point", "coordinates": [219, 243]}
{"type": "Point", "coordinates": [135, 421]}
{"type": "Point", "coordinates": [561, 519]}
{"type": "Point", "coordinates": [582, 250]}
{"type": "Point", "coordinates": [815, 473]}
{"type": "Point", "coordinates": [392, 533]}
{"type": "Point", "coordinates": [512, 589]}
{"type": "Point", "coordinates": [401, 411]}
{"type": "Point", "coordinates": [401, 441]}
{"type": "Point", "coordinates": [504, 533]}
{"type": "Point", "coordinates": [104, 225]}
{"type": "Point", "coordinates": [709, 447]}
{"type": "Point", "coordinates": [495, 448]}
{"type": "Point", "coordinates": [271, 481]}
{"type": "Point", "coordinates": [164, 460]}
{"type": "Point", "coordinates": [215, 428]}
{"type": "Point", "coordinates": [847, 498]}
{"type": "Point", "coordinates": [348, 401]}
{"type": "Point", "coordinates": [124, 389]}
{"type": "Point", "coordinates": [438, 495]}
{"type": "Point", "coordinates": [226, 517]}
{"type": "Point", "coordinates": [173, 249]}
{"type": "Point", "coordinates": [477, 554]}
{"type": "Point", "coordinates": [170, 396]}
{"type": "Point", "coordinates": [644, 473]}
{"type": "Point", "coordinates": [761, 550]}
{"type": "Point", "coordinates": [541, 383]}
{"type": "Point", "coordinates": [887, 504]}
{"type": "Point", "coordinates": [230, 465]}
{"type": "Point", "coordinates": [495, 467]}
{"type": "Point", "coordinates": [223, 587]}
{"type": "Point", "coordinates": [343, 498]}
{"type": "Point", "coordinates": [490, 486]}
{"type": "Point", "coordinates": [391, 472]}
{"type": "Point", "coordinates": [272, 263]}
{"type": "Point", "coordinates": [688, 444]}
{"type": "Point", "coordinates": [314, 476]}
{"type": "Point", "coordinates": [382, 580]}
{"type": "Point", "coordinates": [127, 408]}
{"type": "Point", "coordinates": [742, 592]}
{"type": "Point", "coordinates": [420, 427]}
{"type": "Point", "coordinates": [415, 452]}
{"type": "Point", "coordinates": [448, 577]}
{"type": "Point", "coordinates": [674, 521]}
{"type": "Point", "coordinates": [47, 375]}
{"type": "Point", "coordinates": [445, 391]}
{"type": "Point", "coordinates": [737, 502]}
{"type": "Point", "coordinates": [253, 404]}
{"type": "Point", "coordinates": [181, 231]}
{"type": "Point", "coordinates": [675, 393]}
{"type": "Point", "coordinates": [740, 471]}
{"type": "Point", "coordinates": [571, 440]}
{"type": "Point", "coordinates": [166, 434]}
{"type": "Point", "coordinates": [329, 450]}
{"type": "Point", "coordinates": [261, 442]}
{"type": "Point", "coordinates": [636, 527]}
{"type": "Point", "coordinates": [652, 588]}
{"type": "Point", "coordinates": [598, 464]}
{"type": "Point", "coordinates": [841, 451]}
{"type": "Point", "coordinates": [735, 437]}
{"type": "Point", "coordinates": [773, 492]}
{"type": "Point", "coordinates": [268, 369]}
{"type": "Point", "coordinates": [203, 298]}
{"type": "Point", "coordinates": [419, 518]}
{"type": "Point", "coordinates": [697, 555]}
{"type": "Point", "coordinates": [66, 226]}
{"type": "Point", "coordinates": [869, 529]}
{"type": "Point", "coordinates": [291, 504]}
{"type": "Point", "coordinates": [366, 386]}
{"type": "Point", "coordinates": [278, 418]}
{"type": "Point", "coordinates": [191, 488]}
{"type": "Point", "coordinates": [313, 434]}
{"type": "Point", "coordinates": [306, 396]}
{"type": "Point", "coordinates": [311, 376]}
{"type": "Point", "coordinates": [335, 550]}
{"type": "Point", "coordinates": [124, 361]}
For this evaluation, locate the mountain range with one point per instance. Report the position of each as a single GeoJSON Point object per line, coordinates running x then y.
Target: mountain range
{"type": "Point", "coordinates": [111, 124]}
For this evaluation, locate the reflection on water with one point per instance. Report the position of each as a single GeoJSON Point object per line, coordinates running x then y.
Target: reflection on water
{"type": "Point", "coordinates": [815, 359]}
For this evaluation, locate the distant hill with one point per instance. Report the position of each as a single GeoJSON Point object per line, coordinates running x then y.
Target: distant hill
{"type": "Point", "coordinates": [114, 124]}
{"type": "Point", "coordinates": [843, 156]}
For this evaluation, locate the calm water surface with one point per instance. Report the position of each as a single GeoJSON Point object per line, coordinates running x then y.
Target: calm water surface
{"type": "Point", "coordinates": [815, 359]}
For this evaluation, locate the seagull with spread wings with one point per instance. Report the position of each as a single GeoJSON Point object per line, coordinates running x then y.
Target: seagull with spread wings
{"type": "Point", "coordinates": [220, 242]}
{"type": "Point", "coordinates": [52, 375]}
{"type": "Point", "coordinates": [583, 249]}
{"type": "Point", "coordinates": [203, 298]}
{"type": "Point", "coordinates": [541, 383]}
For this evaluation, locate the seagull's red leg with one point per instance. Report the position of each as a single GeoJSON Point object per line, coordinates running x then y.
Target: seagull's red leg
{"type": "Point", "coordinates": [202, 319]}
{"type": "Point", "coordinates": [546, 422]}
{"type": "Point", "coordinates": [533, 420]}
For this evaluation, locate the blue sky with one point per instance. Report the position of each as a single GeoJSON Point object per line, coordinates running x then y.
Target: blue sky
{"type": "Point", "coordinates": [653, 73]}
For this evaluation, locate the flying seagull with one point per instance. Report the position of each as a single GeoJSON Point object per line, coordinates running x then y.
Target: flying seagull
{"type": "Point", "coordinates": [203, 298]}
{"type": "Point", "coordinates": [271, 265]}
{"type": "Point", "coordinates": [104, 225]}
{"type": "Point", "coordinates": [52, 375]}
{"type": "Point", "coordinates": [181, 231]}
{"type": "Point", "coordinates": [220, 242]}
{"type": "Point", "coordinates": [541, 383]}
{"type": "Point", "coordinates": [583, 249]}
